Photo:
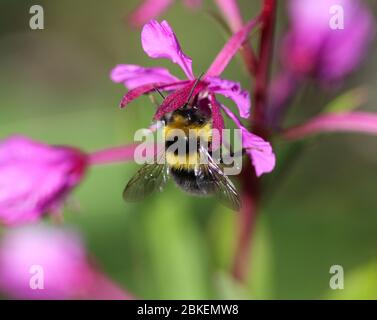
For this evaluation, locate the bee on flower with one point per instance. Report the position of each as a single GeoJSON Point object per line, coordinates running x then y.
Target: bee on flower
{"type": "Point", "coordinates": [191, 104]}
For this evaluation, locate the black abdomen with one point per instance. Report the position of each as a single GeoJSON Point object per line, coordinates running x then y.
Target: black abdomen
{"type": "Point", "coordinates": [190, 182]}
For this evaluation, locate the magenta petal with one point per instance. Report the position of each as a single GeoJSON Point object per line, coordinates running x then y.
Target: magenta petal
{"type": "Point", "coordinates": [159, 41]}
{"type": "Point", "coordinates": [231, 90]}
{"type": "Point", "coordinates": [133, 76]}
{"type": "Point", "coordinates": [230, 49]}
{"type": "Point", "coordinates": [363, 122]}
{"type": "Point", "coordinates": [149, 9]}
{"type": "Point", "coordinates": [146, 88]}
{"type": "Point", "coordinates": [349, 53]}
{"type": "Point", "coordinates": [36, 178]}
{"type": "Point", "coordinates": [137, 92]}
{"type": "Point", "coordinates": [217, 121]}
{"type": "Point", "coordinates": [61, 254]}
{"type": "Point", "coordinates": [312, 48]}
{"type": "Point", "coordinates": [231, 12]}
{"type": "Point", "coordinates": [178, 98]}
{"type": "Point", "coordinates": [68, 272]}
{"type": "Point", "coordinates": [217, 118]}
{"type": "Point", "coordinates": [259, 150]}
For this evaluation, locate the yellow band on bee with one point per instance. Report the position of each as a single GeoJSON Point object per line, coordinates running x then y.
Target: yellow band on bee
{"type": "Point", "coordinates": [173, 130]}
{"type": "Point", "coordinates": [187, 161]}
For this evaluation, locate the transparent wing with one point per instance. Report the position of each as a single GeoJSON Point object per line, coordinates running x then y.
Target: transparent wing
{"type": "Point", "coordinates": [149, 178]}
{"type": "Point", "coordinates": [211, 177]}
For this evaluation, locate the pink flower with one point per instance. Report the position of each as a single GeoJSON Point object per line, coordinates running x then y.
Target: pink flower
{"type": "Point", "coordinates": [35, 179]}
{"type": "Point", "coordinates": [41, 262]}
{"type": "Point", "coordinates": [151, 9]}
{"type": "Point", "coordinates": [313, 48]}
{"type": "Point", "coordinates": [159, 41]}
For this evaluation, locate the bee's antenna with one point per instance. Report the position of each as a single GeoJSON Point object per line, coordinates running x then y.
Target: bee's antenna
{"type": "Point", "coordinates": [159, 92]}
{"type": "Point", "coordinates": [193, 88]}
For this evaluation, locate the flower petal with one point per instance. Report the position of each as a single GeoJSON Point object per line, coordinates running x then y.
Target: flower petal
{"type": "Point", "coordinates": [231, 90]}
{"type": "Point", "coordinates": [178, 98]}
{"type": "Point", "coordinates": [133, 76]}
{"type": "Point", "coordinates": [146, 88]}
{"type": "Point", "coordinates": [217, 118]}
{"type": "Point", "coordinates": [67, 270]}
{"type": "Point", "coordinates": [159, 41]}
{"type": "Point", "coordinates": [36, 178]}
{"type": "Point", "coordinates": [313, 48]}
{"type": "Point", "coordinates": [149, 9]}
{"type": "Point", "coordinates": [217, 122]}
{"type": "Point", "coordinates": [231, 12]}
{"type": "Point", "coordinates": [259, 150]}
{"type": "Point", "coordinates": [230, 49]}
{"type": "Point", "coordinates": [363, 122]}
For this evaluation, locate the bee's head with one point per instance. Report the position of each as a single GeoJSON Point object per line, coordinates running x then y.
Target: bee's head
{"type": "Point", "coordinates": [192, 115]}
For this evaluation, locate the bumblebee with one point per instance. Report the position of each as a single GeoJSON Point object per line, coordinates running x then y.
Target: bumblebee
{"type": "Point", "coordinates": [187, 171]}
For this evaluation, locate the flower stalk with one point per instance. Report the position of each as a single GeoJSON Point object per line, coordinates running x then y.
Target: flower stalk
{"type": "Point", "coordinates": [246, 223]}
{"type": "Point", "coordinates": [112, 155]}
{"type": "Point", "coordinates": [262, 73]}
{"type": "Point", "coordinates": [249, 181]}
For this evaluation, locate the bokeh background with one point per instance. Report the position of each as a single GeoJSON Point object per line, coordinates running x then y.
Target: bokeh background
{"type": "Point", "coordinates": [55, 87]}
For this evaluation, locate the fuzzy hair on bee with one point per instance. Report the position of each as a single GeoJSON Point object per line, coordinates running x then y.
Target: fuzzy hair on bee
{"type": "Point", "coordinates": [187, 133]}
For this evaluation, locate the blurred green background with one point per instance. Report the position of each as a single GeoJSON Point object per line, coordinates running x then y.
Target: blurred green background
{"type": "Point", "coordinates": [55, 87]}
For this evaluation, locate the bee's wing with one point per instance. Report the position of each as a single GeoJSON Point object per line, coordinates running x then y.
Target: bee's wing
{"type": "Point", "coordinates": [148, 179]}
{"type": "Point", "coordinates": [223, 187]}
